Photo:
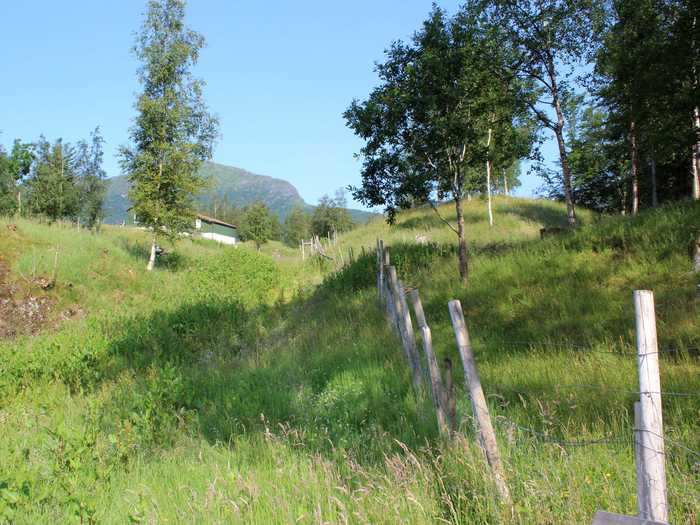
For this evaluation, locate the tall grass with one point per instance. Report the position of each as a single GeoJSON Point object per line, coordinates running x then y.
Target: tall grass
{"type": "Point", "coordinates": [229, 387]}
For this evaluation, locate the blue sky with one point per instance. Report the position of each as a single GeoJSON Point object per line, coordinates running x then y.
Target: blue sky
{"type": "Point", "coordinates": [279, 75]}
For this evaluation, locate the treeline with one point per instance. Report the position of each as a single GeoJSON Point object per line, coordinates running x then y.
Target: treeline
{"type": "Point", "coordinates": [633, 135]}
{"type": "Point", "coordinates": [257, 223]}
{"type": "Point", "coordinates": [54, 181]}
{"type": "Point", "coordinates": [613, 82]}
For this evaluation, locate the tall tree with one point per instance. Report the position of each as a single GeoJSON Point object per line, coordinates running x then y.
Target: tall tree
{"type": "Point", "coordinates": [548, 40]}
{"type": "Point", "coordinates": [258, 224]}
{"type": "Point", "coordinates": [52, 188]}
{"type": "Point", "coordinates": [426, 126]}
{"type": "Point", "coordinates": [91, 179]}
{"type": "Point", "coordinates": [14, 167]}
{"type": "Point", "coordinates": [331, 215]}
{"type": "Point", "coordinates": [173, 132]}
{"type": "Point", "coordinates": [296, 226]}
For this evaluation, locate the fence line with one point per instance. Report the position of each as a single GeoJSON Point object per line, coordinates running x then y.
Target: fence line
{"type": "Point", "coordinates": [647, 433]}
{"type": "Point", "coordinates": [602, 388]}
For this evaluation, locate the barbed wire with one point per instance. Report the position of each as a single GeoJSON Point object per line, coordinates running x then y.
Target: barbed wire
{"type": "Point", "coordinates": [565, 443]}
{"type": "Point", "coordinates": [545, 438]}
{"type": "Point", "coordinates": [672, 442]}
{"type": "Point", "coordinates": [588, 347]}
{"type": "Point", "coordinates": [603, 388]}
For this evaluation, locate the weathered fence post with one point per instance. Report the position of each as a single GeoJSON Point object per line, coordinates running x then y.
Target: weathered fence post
{"type": "Point", "coordinates": [389, 303]}
{"type": "Point", "coordinates": [433, 369]}
{"type": "Point", "coordinates": [655, 505]}
{"type": "Point", "coordinates": [642, 495]}
{"type": "Point", "coordinates": [479, 406]}
{"type": "Point", "coordinates": [380, 268]}
{"type": "Point", "coordinates": [450, 402]}
{"type": "Point", "coordinates": [405, 326]}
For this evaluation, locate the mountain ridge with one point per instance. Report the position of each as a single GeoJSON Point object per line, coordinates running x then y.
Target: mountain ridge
{"type": "Point", "coordinates": [239, 186]}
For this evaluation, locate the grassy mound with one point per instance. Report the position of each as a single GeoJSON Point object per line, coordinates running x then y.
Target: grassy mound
{"type": "Point", "coordinates": [229, 386]}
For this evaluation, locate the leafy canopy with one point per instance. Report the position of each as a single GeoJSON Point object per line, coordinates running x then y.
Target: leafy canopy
{"type": "Point", "coordinates": [173, 132]}
{"type": "Point", "coordinates": [425, 126]}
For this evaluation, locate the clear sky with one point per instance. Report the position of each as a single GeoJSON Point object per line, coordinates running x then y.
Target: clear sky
{"type": "Point", "coordinates": [279, 75]}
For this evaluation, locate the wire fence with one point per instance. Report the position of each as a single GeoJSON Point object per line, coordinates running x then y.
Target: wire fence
{"type": "Point", "coordinates": [647, 437]}
{"type": "Point", "coordinates": [546, 438]}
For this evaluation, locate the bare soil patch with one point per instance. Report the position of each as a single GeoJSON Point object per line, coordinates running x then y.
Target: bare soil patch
{"type": "Point", "coordinates": [21, 311]}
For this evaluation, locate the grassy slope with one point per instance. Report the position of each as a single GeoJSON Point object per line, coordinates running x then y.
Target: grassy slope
{"type": "Point", "coordinates": [230, 387]}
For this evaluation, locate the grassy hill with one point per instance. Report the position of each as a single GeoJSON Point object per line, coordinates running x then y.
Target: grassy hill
{"type": "Point", "coordinates": [241, 187]}
{"type": "Point", "coordinates": [231, 386]}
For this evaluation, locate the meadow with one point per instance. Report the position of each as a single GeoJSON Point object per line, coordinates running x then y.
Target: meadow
{"type": "Point", "coordinates": [231, 386]}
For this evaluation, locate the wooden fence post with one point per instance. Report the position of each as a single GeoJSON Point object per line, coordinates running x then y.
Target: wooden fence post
{"type": "Point", "coordinates": [655, 506]}
{"type": "Point", "coordinates": [450, 402]}
{"type": "Point", "coordinates": [642, 496]}
{"type": "Point", "coordinates": [405, 326]}
{"type": "Point", "coordinates": [410, 338]}
{"type": "Point", "coordinates": [433, 369]}
{"type": "Point", "coordinates": [380, 269]}
{"type": "Point", "coordinates": [479, 406]}
{"type": "Point", "coordinates": [388, 302]}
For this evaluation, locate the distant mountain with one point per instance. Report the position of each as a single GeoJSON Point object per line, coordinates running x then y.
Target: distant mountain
{"type": "Point", "coordinates": [238, 186]}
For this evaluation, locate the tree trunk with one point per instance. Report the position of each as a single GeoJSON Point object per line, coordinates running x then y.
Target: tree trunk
{"type": "Point", "coordinates": [559, 132]}
{"type": "Point", "coordinates": [488, 190]}
{"type": "Point", "coordinates": [489, 165]}
{"type": "Point", "coordinates": [635, 168]}
{"type": "Point", "coordinates": [463, 262]}
{"type": "Point", "coordinates": [505, 183]}
{"type": "Point", "coordinates": [152, 258]}
{"type": "Point", "coordinates": [654, 190]}
{"type": "Point", "coordinates": [696, 155]}
{"type": "Point", "coordinates": [623, 185]}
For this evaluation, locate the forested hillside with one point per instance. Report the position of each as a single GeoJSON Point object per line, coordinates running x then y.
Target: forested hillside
{"type": "Point", "coordinates": [226, 187]}
{"type": "Point", "coordinates": [242, 387]}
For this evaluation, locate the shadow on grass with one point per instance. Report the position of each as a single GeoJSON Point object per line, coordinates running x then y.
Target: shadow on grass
{"type": "Point", "coordinates": [299, 365]}
{"type": "Point", "coordinates": [548, 216]}
{"type": "Point", "coordinates": [140, 250]}
{"type": "Point", "coordinates": [327, 368]}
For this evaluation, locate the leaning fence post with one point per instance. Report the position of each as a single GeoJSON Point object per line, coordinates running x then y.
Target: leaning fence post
{"type": "Point", "coordinates": [380, 269]}
{"type": "Point", "coordinates": [479, 406]}
{"type": "Point", "coordinates": [410, 337]}
{"type": "Point", "coordinates": [405, 326]}
{"type": "Point", "coordinates": [655, 506]}
{"type": "Point", "coordinates": [450, 402]}
{"type": "Point", "coordinates": [433, 369]}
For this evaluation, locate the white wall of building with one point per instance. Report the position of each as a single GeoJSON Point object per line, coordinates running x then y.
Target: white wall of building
{"type": "Point", "coordinates": [223, 239]}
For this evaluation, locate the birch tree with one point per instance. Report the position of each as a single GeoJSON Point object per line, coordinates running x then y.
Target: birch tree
{"type": "Point", "coordinates": [425, 126]}
{"type": "Point", "coordinates": [548, 40]}
{"type": "Point", "coordinates": [173, 132]}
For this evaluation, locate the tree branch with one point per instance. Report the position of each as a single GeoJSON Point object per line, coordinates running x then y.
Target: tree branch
{"type": "Point", "coordinates": [437, 212]}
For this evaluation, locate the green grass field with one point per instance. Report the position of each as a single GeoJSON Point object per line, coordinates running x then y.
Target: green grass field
{"type": "Point", "coordinates": [230, 386]}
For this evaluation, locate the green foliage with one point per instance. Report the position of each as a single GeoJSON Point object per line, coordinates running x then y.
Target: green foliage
{"type": "Point", "coordinates": [258, 224]}
{"type": "Point", "coordinates": [91, 179]}
{"type": "Point", "coordinates": [173, 133]}
{"type": "Point", "coordinates": [250, 278]}
{"type": "Point", "coordinates": [426, 126]}
{"type": "Point", "coordinates": [52, 189]}
{"type": "Point", "coordinates": [14, 167]}
{"type": "Point", "coordinates": [266, 409]}
{"type": "Point", "coordinates": [330, 216]}
{"type": "Point", "coordinates": [297, 226]}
